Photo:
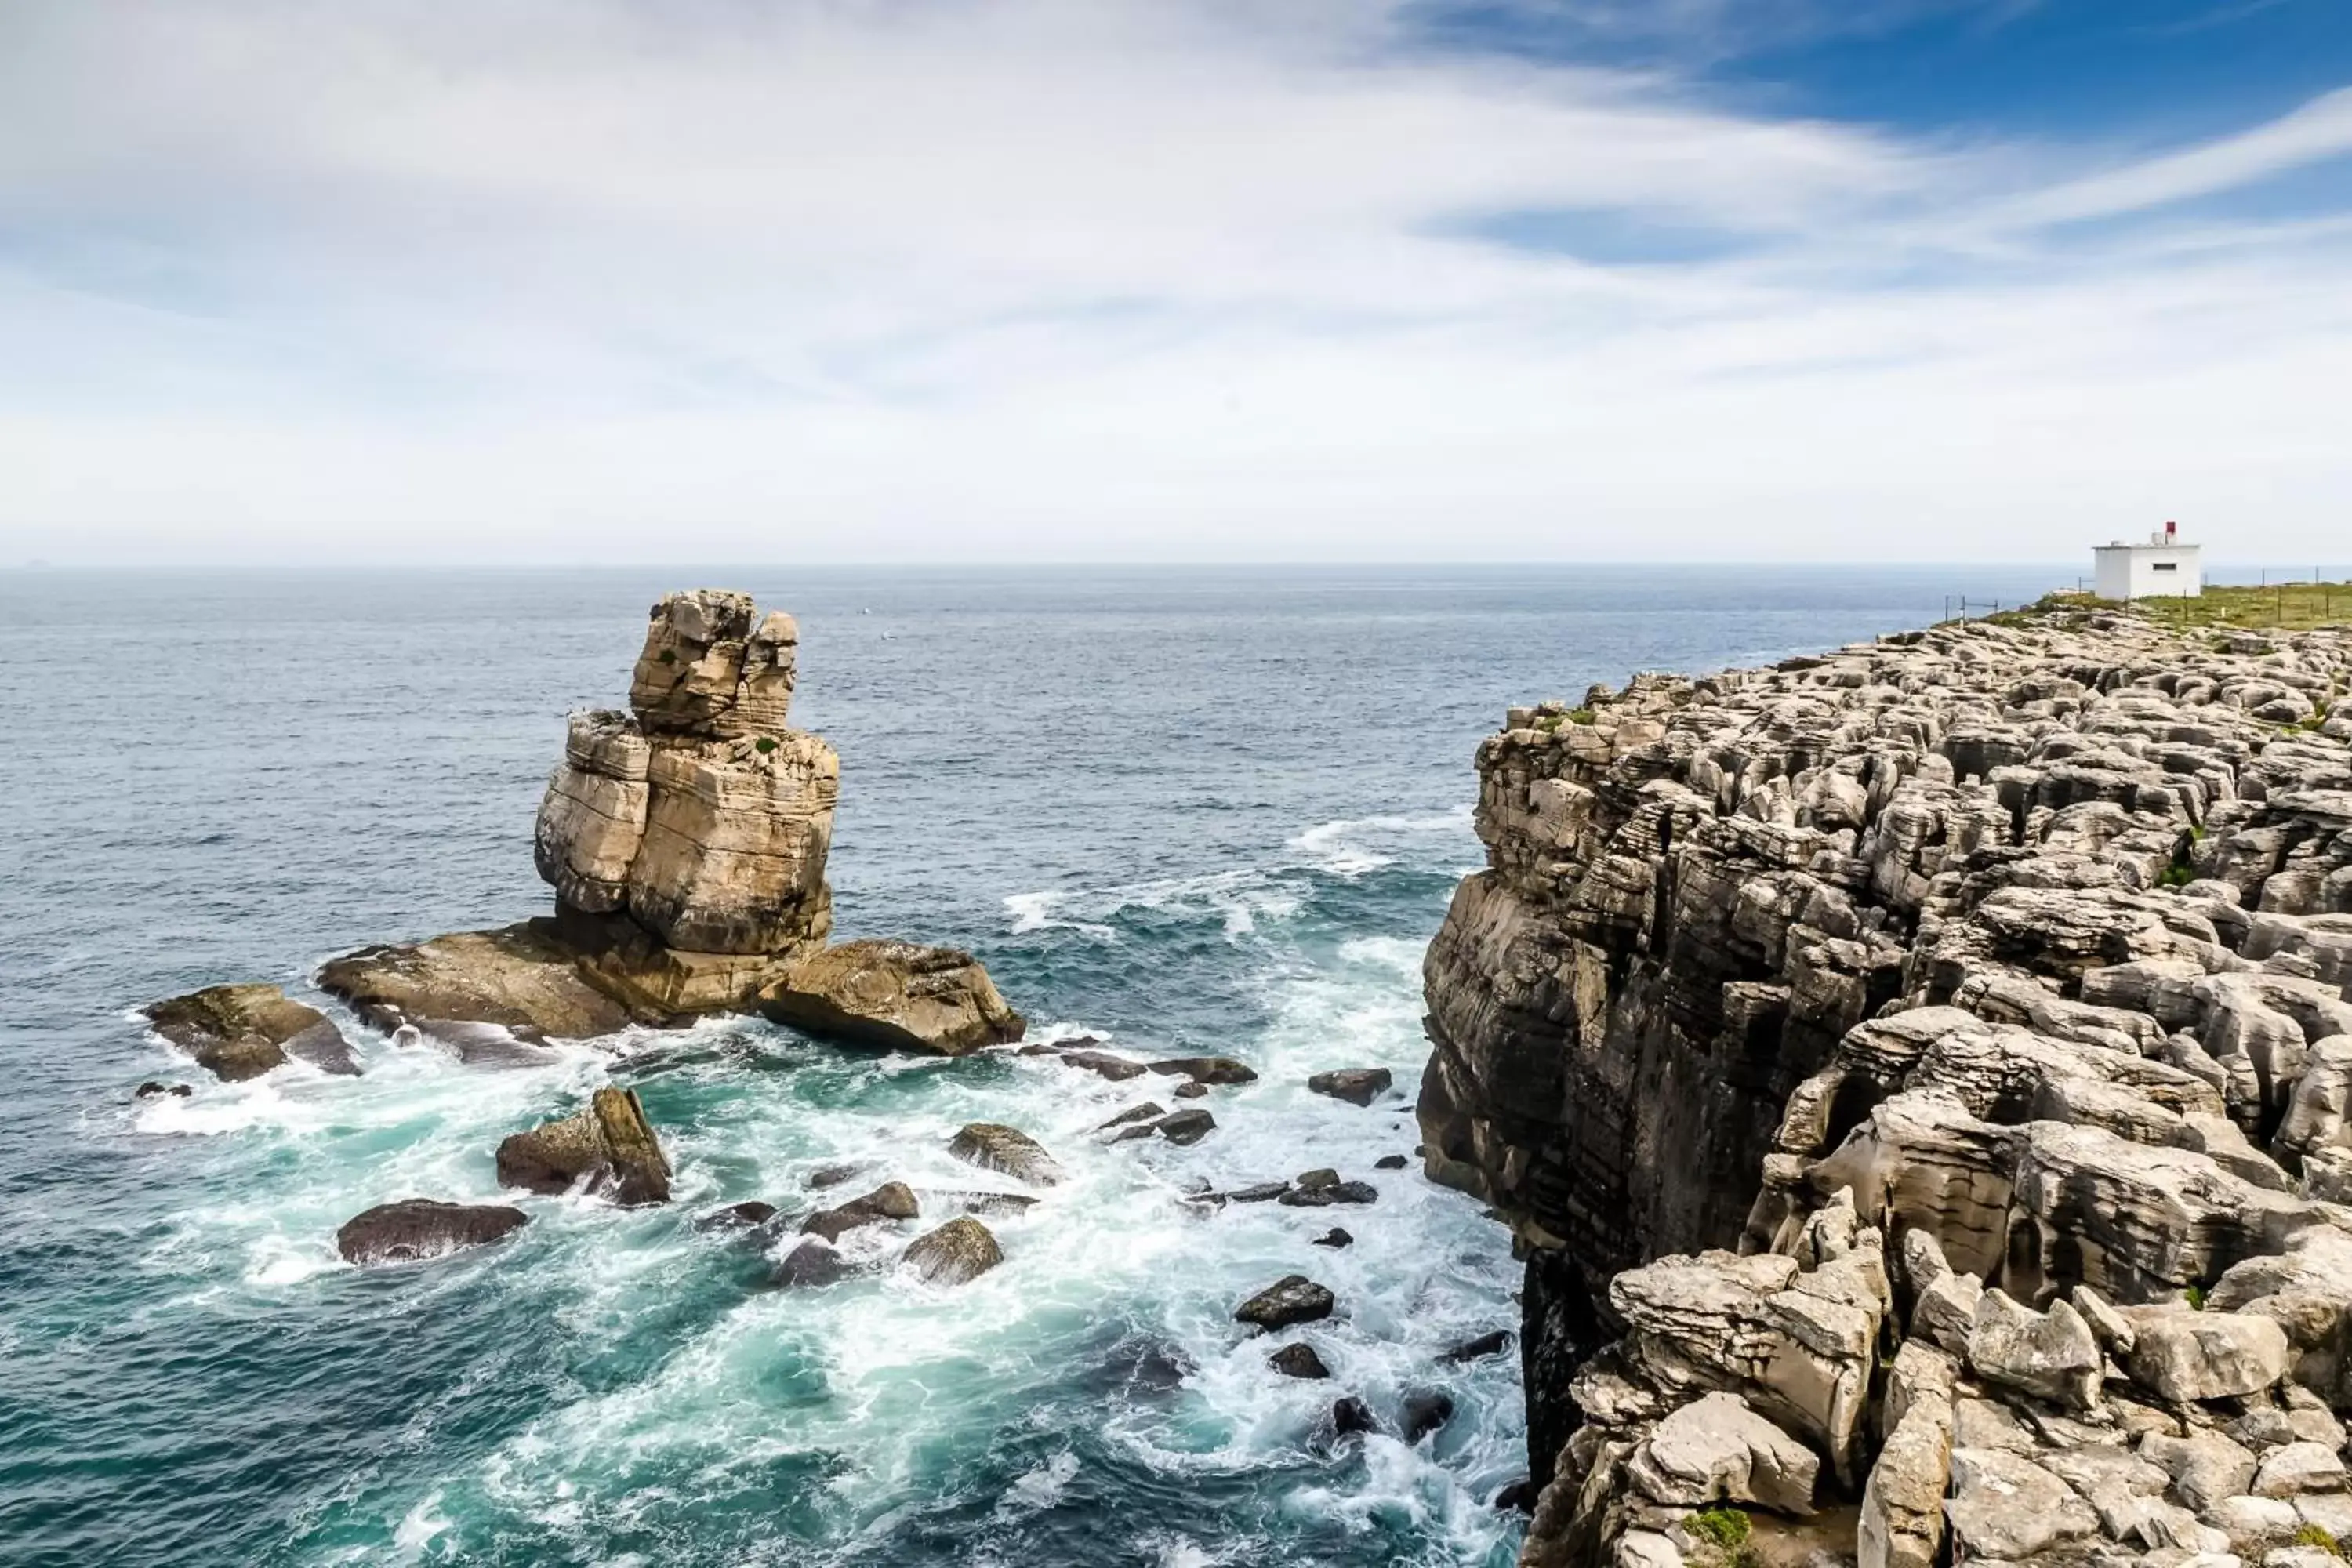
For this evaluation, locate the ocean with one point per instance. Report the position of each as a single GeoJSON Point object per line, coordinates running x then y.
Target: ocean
{"type": "Point", "coordinates": [1189, 810]}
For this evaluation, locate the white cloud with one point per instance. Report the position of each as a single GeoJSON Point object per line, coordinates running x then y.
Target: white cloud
{"type": "Point", "coordinates": [607, 280]}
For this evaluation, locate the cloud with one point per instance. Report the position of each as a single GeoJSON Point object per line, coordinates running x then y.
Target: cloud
{"type": "Point", "coordinates": [874, 278]}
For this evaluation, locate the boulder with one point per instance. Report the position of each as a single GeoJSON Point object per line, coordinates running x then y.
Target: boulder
{"type": "Point", "coordinates": [1298, 1361]}
{"type": "Point", "coordinates": [415, 1229]}
{"type": "Point", "coordinates": [2186, 1355]}
{"type": "Point", "coordinates": [1902, 1522]}
{"type": "Point", "coordinates": [1206, 1070]}
{"type": "Point", "coordinates": [1333, 1238]}
{"type": "Point", "coordinates": [1258, 1192]}
{"type": "Point", "coordinates": [1391, 1163]}
{"type": "Point", "coordinates": [748, 1215]}
{"type": "Point", "coordinates": [1185, 1126]}
{"type": "Point", "coordinates": [894, 995]}
{"type": "Point", "coordinates": [960, 1250]}
{"type": "Point", "coordinates": [1478, 1349]}
{"type": "Point", "coordinates": [995, 1147]}
{"type": "Point", "coordinates": [1352, 1415]}
{"type": "Point", "coordinates": [890, 1201]}
{"type": "Point", "coordinates": [237, 1031]}
{"type": "Point", "coordinates": [811, 1263]}
{"type": "Point", "coordinates": [1188, 1089]}
{"type": "Point", "coordinates": [707, 670]}
{"type": "Point", "coordinates": [523, 978]}
{"type": "Point", "coordinates": [609, 1150]}
{"type": "Point", "coordinates": [834, 1175]}
{"type": "Point", "coordinates": [1102, 1064]}
{"type": "Point", "coordinates": [1326, 1196]}
{"type": "Point", "coordinates": [2298, 1469]}
{"type": "Point", "coordinates": [1424, 1411]}
{"type": "Point", "coordinates": [2051, 1356]}
{"type": "Point", "coordinates": [151, 1089]}
{"type": "Point", "coordinates": [1148, 1111]}
{"type": "Point", "coordinates": [1293, 1299]}
{"type": "Point", "coordinates": [2205, 1466]}
{"type": "Point", "coordinates": [2005, 1506]}
{"type": "Point", "coordinates": [1716, 1450]}
{"type": "Point", "coordinates": [1357, 1086]}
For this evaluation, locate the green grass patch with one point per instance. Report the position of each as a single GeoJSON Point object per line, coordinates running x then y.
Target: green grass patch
{"type": "Point", "coordinates": [1723, 1527]}
{"type": "Point", "coordinates": [2320, 1536]}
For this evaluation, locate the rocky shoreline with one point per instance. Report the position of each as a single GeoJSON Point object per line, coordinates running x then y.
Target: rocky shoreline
{"type": "Point", "coordinates": [1917, 1078]}
{"type": "Point", "coordinates": [687, 841]}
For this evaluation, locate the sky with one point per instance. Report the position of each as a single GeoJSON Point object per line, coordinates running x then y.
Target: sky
{"type": "Point", "coordinates": [577, 281]}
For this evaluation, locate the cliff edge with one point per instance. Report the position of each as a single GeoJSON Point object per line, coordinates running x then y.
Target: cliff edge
{"type": "Point", "coordinates": [1917, 1079]}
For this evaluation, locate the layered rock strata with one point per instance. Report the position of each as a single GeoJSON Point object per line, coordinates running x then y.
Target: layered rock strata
{"type": "Point", "coordinates": [685, 840]}
{"type": "Point", "coordinates": [1882, 1056]}
{"type": "Point", "coordinates": [237, 1031]}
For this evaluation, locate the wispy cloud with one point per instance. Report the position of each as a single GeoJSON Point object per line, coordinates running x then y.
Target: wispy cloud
{"type": "Point", "coordinates": [612, 278]}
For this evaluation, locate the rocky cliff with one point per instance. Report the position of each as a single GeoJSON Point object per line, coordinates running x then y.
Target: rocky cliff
{"type": "Point", "coordinates": [1882, 1058]}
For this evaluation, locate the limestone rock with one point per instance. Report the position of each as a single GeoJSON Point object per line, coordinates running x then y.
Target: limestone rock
{"type": "Point", "coordinates": [609, 1150]}
{"type": "Point", "coordinates": [995, 1147]}
{"type": "Point", "coordinates": [2005, 1506]}
{"type": "Point", "coordinates": [2299, 1467]}
{"type": "Point", "coordinates": [415, 1229]}
{"type": "Point", "coordinates": [237, 1031]}
{"type": "Point", "coordinates": [592, 820]}
{"type": "Point", "coordinates": [1902, 1522]}
{"type": "Point", "coordinates": [1293, 1299]}
{"type": "Point", "coordinates": [1715, 1450]}
{"type": "Point", "coordinates": [2051, 1356]}
{"type": "Point", "coordinates": [894, 995]}
{"type": "Point", "coordinates": [1357, 1086]}
{"type": "Point", "coordinates": [2205, 1466]}
{"type": "Point", "coordinates": [707, 671]}
{"type": "Point", "coordinates": [523, 978]}
{"type": "Point", "coordinates": [960, 1250]}
{"type": "Point", "coordinates": [2186, 1355]}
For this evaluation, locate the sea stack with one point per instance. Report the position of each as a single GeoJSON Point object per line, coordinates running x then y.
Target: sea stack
{"type": "Point", "coordinates": [685, 839]}
{"type": "Point", "coordinates": [1917, 1076]}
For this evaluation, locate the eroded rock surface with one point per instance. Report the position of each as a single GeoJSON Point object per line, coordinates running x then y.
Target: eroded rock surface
{"type": "Point", "coordinates": [898, 996]}
{"type": "Point", "coordinates": [608, 1150]}
{"type": "Point", "coordinates": [237, 1031]}
{"type": "Point", "coordinates": [416, 1228]}
{"type": "Point", "coordinates": [685, 839]}
{"type": "Point", "coordinates": [1901, 1042]}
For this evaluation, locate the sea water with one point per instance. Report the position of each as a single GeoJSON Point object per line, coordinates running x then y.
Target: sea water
{"type": "Point", "coordinates": [1187, 811]}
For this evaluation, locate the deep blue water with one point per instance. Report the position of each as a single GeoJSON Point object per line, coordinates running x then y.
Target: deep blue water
{"type": "Point", "coordinates": [1193, 810]}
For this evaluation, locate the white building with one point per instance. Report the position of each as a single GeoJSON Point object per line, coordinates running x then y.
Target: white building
{"type": "Point", "coordinates": [2162, 568]}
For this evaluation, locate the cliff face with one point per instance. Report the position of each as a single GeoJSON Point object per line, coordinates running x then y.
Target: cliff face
{"type": "Point", "coordinates": [1970, 989]}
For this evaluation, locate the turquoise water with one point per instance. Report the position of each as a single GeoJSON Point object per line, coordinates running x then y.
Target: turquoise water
{"type": "Point", "coordinates": [1191, 811]}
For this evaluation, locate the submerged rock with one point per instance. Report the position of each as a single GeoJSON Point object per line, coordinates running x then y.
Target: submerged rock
{"type": "Point", "coordinates": [1424, 1413]}
{"type": "Point", "coordinates": [1118, 1070]}
{"type": "Point", "coordinates": [1390, 1163]}
{"type": "Point", "coordinates": [748, 1215]}
{"type": "Point", "coordinates": [414, 1228]}
{"type": "Point", "coordinates": [1352, 1415]}
{"type": "Point", "coordinates": [1485, 1345]}
{"type": "Point", "coordinates": [890, 1201]}
{"type": "Point", "coordinates": [239, 1032]}
{"type": "Point", "coordinates": [1334, 1238]}
{"type": "Point", "coordinates": [1258, 1192]}
{"type": "Point", "coordinates": [897, 997]}
{"type": "Point", "coordinates": [811, 1263]}
{"type": "Point", "coordinates": [1147, 1111]}
{"type": "Point", "coordinates": [1293, 1299]}
{"type": "Point", "coordinates": [1357, 1086]}
{"type": "Point", "coordinates": [1206, 1070]}
{"type": "Point", "coordinates": [609, 1150]}
{"type": "Point", "coordinates": [151, 1089]}
{"type": "Point", "coordinates": [1191, 1091]}
{"type": "Point", "coordinates": [994, 1146]}
{"type": "Point", "coordinates": [1325, 1195]}
{"type": "Point", "coordinates": [960, 1250]}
